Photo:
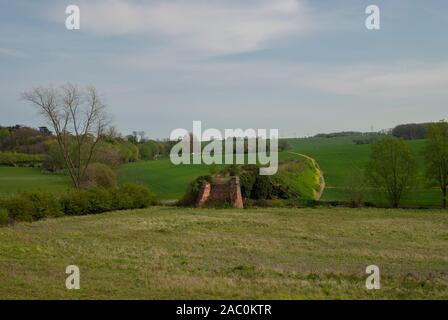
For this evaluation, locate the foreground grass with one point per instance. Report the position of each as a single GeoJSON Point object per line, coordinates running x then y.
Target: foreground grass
{"type": "Point", "coordinates": [165, 252]}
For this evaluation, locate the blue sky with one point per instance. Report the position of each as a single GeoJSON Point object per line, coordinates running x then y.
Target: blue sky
{"type": "Point", "coordinates": [302, 67]}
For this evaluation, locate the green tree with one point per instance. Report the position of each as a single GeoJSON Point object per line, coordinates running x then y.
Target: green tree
{"type": "Point", "coordinates": [436, 154]}
{"type": "Point", "coordinates": [391, 168]}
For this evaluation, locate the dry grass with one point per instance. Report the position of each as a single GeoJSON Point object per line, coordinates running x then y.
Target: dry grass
{"type": "Point", "coordinates": [165, 252]}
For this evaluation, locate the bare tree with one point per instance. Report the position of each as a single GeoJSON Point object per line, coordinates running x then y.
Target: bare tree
{"type": "Point", "coordinates": [79, 120]}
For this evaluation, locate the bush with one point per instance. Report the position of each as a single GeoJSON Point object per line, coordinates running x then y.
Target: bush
{"type": "Point", "coordinates": [247, 181]}
{"type": "Point", "coordinates": [44, 205]}
{"type": "Point", "coordinates": [133, 196]}
{"type": "Point", "coordinates": [4, 217]}
{"type": "Point", "coordinates": [19, 209]}
{"type": "Point", "coordinates": [30, 206]}
{"type": "Point", "coordinates": [90, 201]}
{"type": "Point", "coordinates": [100, 200]}
{"type": "Point", "coordinates": [99, 175]}
{"type": "Point", "coordinates": [262, 189]}
{"type": "Point", "coordinates": [75, 203]}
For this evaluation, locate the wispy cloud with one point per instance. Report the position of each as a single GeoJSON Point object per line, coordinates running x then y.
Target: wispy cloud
{"type": "Point", "coordinates": [217, 27]}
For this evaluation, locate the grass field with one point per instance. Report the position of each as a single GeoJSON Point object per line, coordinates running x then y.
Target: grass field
{"type": "Point", "coordinates": [31, 179]}
{"type": "Point", "coordinates": [165, 252]}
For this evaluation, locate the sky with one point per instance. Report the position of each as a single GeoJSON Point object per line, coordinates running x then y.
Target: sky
{"type": "Point", "coordinates": [302, 67]}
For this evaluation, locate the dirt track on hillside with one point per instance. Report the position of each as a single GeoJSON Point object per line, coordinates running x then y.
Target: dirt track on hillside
{"type": "Point", "coordinates": [322, 179]}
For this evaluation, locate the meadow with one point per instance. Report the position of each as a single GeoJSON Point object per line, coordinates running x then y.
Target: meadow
{"type": "Point", "coordinates": [167, 253]}
{"type": "Point", "coordinates": [15, 179]}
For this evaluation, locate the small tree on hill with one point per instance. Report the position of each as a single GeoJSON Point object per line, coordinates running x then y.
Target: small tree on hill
{"type": "Point", "coordinates": [436, 154]}
{"type": "Point", "coordinates": [391, 168]}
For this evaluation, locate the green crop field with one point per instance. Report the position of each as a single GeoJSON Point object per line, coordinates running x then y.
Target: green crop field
{"type": "Point", "coordinates": [31, 179]}
{"type": "Point", "coordinates": [165, 252]}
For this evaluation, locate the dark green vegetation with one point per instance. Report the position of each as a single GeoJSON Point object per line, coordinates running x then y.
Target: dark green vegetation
{"type": "Point", "coordinates": [168, 253]}
{"type": "Point", "coordinates": [436, 153]}
{"type": "Point", "coordinates": [32, 206]}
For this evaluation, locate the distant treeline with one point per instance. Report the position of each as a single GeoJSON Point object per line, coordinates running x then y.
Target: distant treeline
{"type": "Point", "coordinates": [348, 134]}
{"type": "Point", "coordinates": [409, 131]}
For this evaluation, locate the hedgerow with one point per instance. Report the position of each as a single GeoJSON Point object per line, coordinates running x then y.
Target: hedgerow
{"type": "Point", "coordinates": [33, 206]}
{"type": "Point", "coordinates": [21, 159]}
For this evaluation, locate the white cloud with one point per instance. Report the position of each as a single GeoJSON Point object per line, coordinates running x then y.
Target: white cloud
{"type": "Point", "coordinates": [215, 27]}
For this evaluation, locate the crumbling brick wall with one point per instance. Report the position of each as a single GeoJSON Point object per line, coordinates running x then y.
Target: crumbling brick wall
{"type": "Point", "coordinates": [222, 190]}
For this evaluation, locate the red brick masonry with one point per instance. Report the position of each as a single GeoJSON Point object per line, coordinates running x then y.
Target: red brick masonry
{"type": "Point", "coordinates": [222, 190]}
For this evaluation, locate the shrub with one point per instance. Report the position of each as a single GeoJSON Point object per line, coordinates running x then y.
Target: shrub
{"type": "Point", "coordinates": [134, 196]}
{"type": "Point", "coordinates": [4, 217]}
{"type": "Point", "coordinates": [262, 189]}
{"type": "Point", "coordinates": [89, 201]}
{"type": "Point", "coordinates": [100, 200]}
{"type": "Point", "coordinates": [99, 175]}
{"type": "Point", "coordinates": [75, 203]}
{"type": "Point", "coordinates": [44, 204]}
{"type": "Point", "coordinates": [29, 206]}
{"type": "Point", "coordinates": [121, 200]}
{"type": "Point", "coordinates": [247, 180]}
{"type": "Point", "coordinates": [20, 209]}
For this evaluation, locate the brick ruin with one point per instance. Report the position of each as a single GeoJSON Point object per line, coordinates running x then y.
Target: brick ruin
{"type": "Point", "coordinates": [222, 190]}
